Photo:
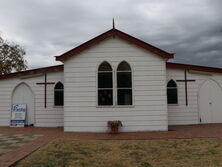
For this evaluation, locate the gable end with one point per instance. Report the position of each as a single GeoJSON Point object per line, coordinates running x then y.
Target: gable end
{"type": "Point", "coordinates": [113, 33]}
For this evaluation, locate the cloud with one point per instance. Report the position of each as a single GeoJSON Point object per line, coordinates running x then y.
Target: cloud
{"type": "Point", "coordinates": [48, 28]}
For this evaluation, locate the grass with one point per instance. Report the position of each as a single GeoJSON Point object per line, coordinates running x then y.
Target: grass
{"type": "Point", "coordinates": [127, 153]}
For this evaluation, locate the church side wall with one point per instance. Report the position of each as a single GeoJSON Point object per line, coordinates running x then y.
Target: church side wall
{"type": "Point", "coordinates": [149, 110]}
{"type": "Point", "coordinates": [6, 87]}
{"type": "Point", "coordinates": [181, 114]}
{"type": "Point", "coordinates": [48, 117]}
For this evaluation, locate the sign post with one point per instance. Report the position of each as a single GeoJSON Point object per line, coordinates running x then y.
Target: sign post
{"type": "Point", "coordinates": [18, 115]}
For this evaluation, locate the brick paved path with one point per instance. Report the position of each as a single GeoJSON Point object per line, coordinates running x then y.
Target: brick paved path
{"type": "Point", "coordinates": [49, 134]}
{"type": "Point", "coordinates": [10, 142]}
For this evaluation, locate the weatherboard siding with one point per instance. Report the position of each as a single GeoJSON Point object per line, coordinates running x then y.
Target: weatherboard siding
{"type": "Point", "coordinates": [44, 117]}
{"type": "Point", "coordinates": [181, 114]}
{"type": "Point", "coordinates": [149, 109]}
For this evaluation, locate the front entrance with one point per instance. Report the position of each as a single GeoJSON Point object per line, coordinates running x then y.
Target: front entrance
{"type": "Point", "coordinates": [210, 102]}
{"type": "Point", "coordinates": [23, 95]}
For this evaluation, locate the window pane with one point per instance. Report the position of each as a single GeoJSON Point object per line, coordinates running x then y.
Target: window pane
{"type": "Point", "coordinates": [124, 66]}
{"type": "Point", "coordinates": [105, 67]}
{"type": "Point", "coordinates": [124, 97]}
{"type": "Point", "coordinates": [105, 80]}
{"type": "Point", "coordinates": [59, 85]}
{"type": "Point", "coordinates": [124, 80]}
{"type": "Point", "coordinates": [105, 97]}
{"type": "Point", "coordinates": [59, 98]}
{"type": "Point", "coordinates": [172, 96]}
{"type": "Point", "coordinates": [171, 84]}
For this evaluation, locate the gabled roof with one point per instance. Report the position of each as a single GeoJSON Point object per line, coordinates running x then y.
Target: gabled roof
{"type": "Point", "coordinates": [32, 72]}
{"type": "Point", "coordinates": [193, 67]}
{"type": "Point", "coordinates": [111, 33]}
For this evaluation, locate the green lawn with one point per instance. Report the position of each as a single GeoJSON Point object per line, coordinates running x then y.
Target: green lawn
{"type": "Point", "coordinates": [127, 153]}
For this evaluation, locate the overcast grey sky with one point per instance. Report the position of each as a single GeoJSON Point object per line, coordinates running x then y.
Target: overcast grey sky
{"type": "Point", "coordinates": [46, 28]}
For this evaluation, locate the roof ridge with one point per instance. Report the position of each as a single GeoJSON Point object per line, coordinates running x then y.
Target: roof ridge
{"type": "Point", "coordinates": [109, 34]}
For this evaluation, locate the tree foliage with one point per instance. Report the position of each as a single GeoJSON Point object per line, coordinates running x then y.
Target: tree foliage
{"type": "Point", "coordinates": [11, 57]}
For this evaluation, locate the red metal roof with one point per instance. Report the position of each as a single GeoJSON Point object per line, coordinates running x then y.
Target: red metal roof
{"type": "Point", "coordinates": [33, 72]}
{"type": "Point", "coordinates": [193, 67]}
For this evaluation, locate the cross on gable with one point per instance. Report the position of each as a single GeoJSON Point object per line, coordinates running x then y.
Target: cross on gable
{"type": "Point", "coordinates": [45, 83]}
{"type": "Point", "coordinates": [185, 81]}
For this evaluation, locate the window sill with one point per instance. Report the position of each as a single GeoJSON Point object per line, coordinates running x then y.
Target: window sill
{"type": "Point", "coordinates": [118, 106]}
{"type": "Point", "coordinates": [173, 104]}
{"type": "Point", "coordinates": [58, 106]}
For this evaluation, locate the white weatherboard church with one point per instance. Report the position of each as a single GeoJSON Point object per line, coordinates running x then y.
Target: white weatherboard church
{"type": "Point", "coordinates": [114, 76]}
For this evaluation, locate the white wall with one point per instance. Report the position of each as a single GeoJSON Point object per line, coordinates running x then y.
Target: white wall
{"type": "Point", "coordinates": [149, 110]}
{"type": "Point", "coordinates": [48, 117]}
{"type": "Point", "coordinates": [181, 114]}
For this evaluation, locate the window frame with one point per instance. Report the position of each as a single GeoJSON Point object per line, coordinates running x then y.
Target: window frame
{"type": "Point", "coordinates": [114, 75]}
{"type": "Point", "coordinates": [172, 88]}
{"type": "Point", "coordinates": [97, 85]}
{"type": "Point", "coordinates": [58, 90]}
{"type": "Point", "coordinates": [126, 88]}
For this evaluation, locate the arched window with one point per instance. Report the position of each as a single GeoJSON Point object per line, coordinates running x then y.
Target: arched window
{"type": "Point", "coordinates": [172, 92]}
{"type": "Point", "coordinates": [58, 94]}
{"type": "Point", "coordinates": [124, 84]}
{"type": "Point", "coordinates": [105, 84]}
